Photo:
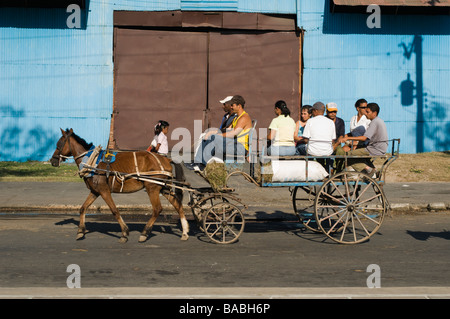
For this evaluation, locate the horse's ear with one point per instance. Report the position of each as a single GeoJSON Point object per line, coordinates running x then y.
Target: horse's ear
{"type": "Point", "coordinates": [63, 132]}
{"type": "Point", "coordinates": [71, 131]}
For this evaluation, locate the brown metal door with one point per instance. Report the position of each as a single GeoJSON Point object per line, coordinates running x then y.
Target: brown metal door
{"type": "Point", "coordinates": [177, 75]}
{"type": "Point", "coordinates": [262, 67]}
{"type": "Point", "coordinates": [159, 75]}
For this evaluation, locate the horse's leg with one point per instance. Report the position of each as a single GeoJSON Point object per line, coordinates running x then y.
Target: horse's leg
{"type": "Point", "coordinates": [153, 193]}
{"type": "Point", "coordinates": [106, 195]}
{"type": "Point", "coordinates": [178, 205]}
{"type": "Point", "coordinates": [81, 227]}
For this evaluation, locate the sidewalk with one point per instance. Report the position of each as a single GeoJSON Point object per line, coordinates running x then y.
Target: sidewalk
{"type": "Point", "coordinates": [263, 202]}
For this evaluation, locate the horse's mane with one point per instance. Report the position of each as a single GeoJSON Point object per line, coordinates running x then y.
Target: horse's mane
{"type": "Point", "coordinates": [81, 141]}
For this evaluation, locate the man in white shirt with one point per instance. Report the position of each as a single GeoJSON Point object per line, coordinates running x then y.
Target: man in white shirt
{"type": "Point", "coordinates": [320, 132]}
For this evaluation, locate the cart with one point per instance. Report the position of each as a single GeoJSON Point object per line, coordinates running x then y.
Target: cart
{"type": "Point", "coordinates": [348, 207]}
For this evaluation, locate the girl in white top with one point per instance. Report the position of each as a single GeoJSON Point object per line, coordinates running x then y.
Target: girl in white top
{"type": "Point", "coordinates": [159, 143]}
{"type": "Point", "coordinates": [282, 130]}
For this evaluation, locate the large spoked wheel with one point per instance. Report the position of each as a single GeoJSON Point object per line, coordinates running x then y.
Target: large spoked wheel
{"type": "Point", "coordinates": [350, 207]}
{"type": "Point", "coordinates": [302, 202]}
{"type": "Point", "coordinates": [223, 223]}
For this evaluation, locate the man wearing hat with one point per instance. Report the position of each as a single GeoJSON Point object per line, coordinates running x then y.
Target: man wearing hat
{"type": "Point", "coordinates": [320, 132]}
{"type": "Point", "coordinates": [338, 122]}
{"type": "Point", "coordinates": [229, 115]}
{"type": "Point", "coordinates": [233, 142]}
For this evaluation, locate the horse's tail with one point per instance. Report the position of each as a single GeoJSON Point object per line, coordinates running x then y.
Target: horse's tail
{"type": "Point", "coordinates": [179, 176]}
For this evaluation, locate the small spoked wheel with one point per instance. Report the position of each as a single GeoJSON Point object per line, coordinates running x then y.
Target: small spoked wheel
{"type": "Point", "coordinates": [350, 207]}
{"type": "Point", "coordinates": [223, 223]}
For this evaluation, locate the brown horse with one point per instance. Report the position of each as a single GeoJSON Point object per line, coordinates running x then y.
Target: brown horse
{"type": "Point", "coordinates": [126, 162]}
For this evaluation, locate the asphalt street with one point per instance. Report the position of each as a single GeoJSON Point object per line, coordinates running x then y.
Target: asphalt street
{"type": "Point", "coordinates": [271, 260]}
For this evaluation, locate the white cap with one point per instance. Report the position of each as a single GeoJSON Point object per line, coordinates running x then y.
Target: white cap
{"type": "Point", "coordinates": [227, 99]}
{"type": "Point", "coordinates": [332, 107]}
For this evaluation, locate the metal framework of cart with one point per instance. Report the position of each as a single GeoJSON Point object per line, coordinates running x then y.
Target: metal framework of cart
{"type": "Point", "coordinates": [348, 207]}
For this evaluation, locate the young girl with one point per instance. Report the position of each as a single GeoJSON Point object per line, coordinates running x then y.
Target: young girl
{"type": "Point", "coordinates": [159, 143]}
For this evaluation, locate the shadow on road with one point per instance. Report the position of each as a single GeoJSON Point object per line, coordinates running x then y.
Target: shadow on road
{"type": "Point", "coordinates": [424, 235]}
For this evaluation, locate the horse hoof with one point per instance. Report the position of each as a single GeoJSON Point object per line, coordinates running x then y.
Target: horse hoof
{"type": "Point", "coordinates": [184, 237]}
{"type": "Point", "coordinates": [80, 236]}
{"type": "Point", "coordinates": [123, 240]}
{"type": "Point", "coordinates": [142, 238]}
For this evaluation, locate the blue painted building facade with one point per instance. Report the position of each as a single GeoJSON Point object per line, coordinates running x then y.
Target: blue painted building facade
{"type": "Point", "coordinates": [52, 76]}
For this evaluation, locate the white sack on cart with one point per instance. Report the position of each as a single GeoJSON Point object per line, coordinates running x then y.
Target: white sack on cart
{"type": "Point", "coordinates": [295, 171]}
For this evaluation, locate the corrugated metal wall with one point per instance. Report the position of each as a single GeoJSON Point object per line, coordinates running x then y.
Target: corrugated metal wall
{"type": "Point", "coordinates": [52, 76]}
{"type": "Point", "coordinates": [344, 60]}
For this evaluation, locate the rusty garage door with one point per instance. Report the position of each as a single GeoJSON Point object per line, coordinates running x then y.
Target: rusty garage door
{"type": "Point", "coordinates": [159, 75]}
{"type": "Point", "coordinates": [179, 74]}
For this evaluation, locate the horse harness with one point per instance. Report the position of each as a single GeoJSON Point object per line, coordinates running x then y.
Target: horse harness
{"type": "Point", "coordinates": [120, 177]}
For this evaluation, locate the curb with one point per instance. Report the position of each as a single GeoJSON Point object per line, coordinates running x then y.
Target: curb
{"type": "Point", "coordinates": [146, 209]}
{"type": "Point", "coordinates": [178, 294]}
{"type": "Point", "coordinates": [416, 208]}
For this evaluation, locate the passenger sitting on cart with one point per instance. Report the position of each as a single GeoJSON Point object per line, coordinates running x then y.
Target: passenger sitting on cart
{"type": "Point", "coordinates": [358, 124]}
{"type": "Point", "coordinates": [305, 115]}
{"type": "Point", "coordinates": [377, 138]}
{"type": "Point", "coordinates": [282, 130]}
{"type": "Point", "coordinates": [232, 142]}
{"type": "Point", "coordinates": [319, 132]}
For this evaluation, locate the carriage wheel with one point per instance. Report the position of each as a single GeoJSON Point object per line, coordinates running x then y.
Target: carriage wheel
{"type": "Point", "coordinates": [350, 207]}
{"type": "Point", "coordinates": [306, 217]}
{"type": "Point", "coordinates": [223, 223]}
{"type": "Point", "coordinates": [201, 203]}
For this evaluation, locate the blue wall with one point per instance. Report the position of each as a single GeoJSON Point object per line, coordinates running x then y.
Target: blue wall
{"type": "Point", "coordinates": [52, 76]}
{"type": "Point", "coordinates": [344, 60]}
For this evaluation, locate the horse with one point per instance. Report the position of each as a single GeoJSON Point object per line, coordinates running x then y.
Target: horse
{"type": "Point", "coordinates": [105, 181]}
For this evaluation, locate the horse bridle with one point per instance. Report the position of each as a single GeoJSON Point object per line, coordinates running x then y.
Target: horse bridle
{"type": "Point", "coordinates": [60, 148]}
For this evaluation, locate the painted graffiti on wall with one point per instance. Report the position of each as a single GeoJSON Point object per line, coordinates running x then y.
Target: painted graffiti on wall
{"type": "Point", "coordinates": [20, 141]}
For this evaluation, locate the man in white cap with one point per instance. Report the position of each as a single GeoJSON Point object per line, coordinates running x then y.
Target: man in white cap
{"type": "Point", "coordinates": [227, 121]}
{"type": "Point", "coordinates": [338, 122]}
{"type": "Point", "coordinates": [232, 142]}
{"type": "Point", "coordinates": [229, 115]}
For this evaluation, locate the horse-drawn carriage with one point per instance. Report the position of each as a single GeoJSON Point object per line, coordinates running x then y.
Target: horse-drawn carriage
{"type": "Point", "coordinates": [348, 207]}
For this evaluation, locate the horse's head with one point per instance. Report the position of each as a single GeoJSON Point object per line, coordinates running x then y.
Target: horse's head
{"type": "Point", "coordinates": [63, 149]}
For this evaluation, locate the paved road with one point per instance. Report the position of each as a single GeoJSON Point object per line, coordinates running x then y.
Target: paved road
{"type": "Point", "coordinates": [411, 251]}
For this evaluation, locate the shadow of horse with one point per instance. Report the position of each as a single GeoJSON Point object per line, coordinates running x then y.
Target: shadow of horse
{"type": "Point", "coordinates": [113, 229]}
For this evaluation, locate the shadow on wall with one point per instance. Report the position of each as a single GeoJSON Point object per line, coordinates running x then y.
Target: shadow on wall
{"type": "Point", "coordinates": [439, 135]}
{"type": "Point", "coordinates": [431, 127]}
{"type": "Point", "coordinates": [23, 144]}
